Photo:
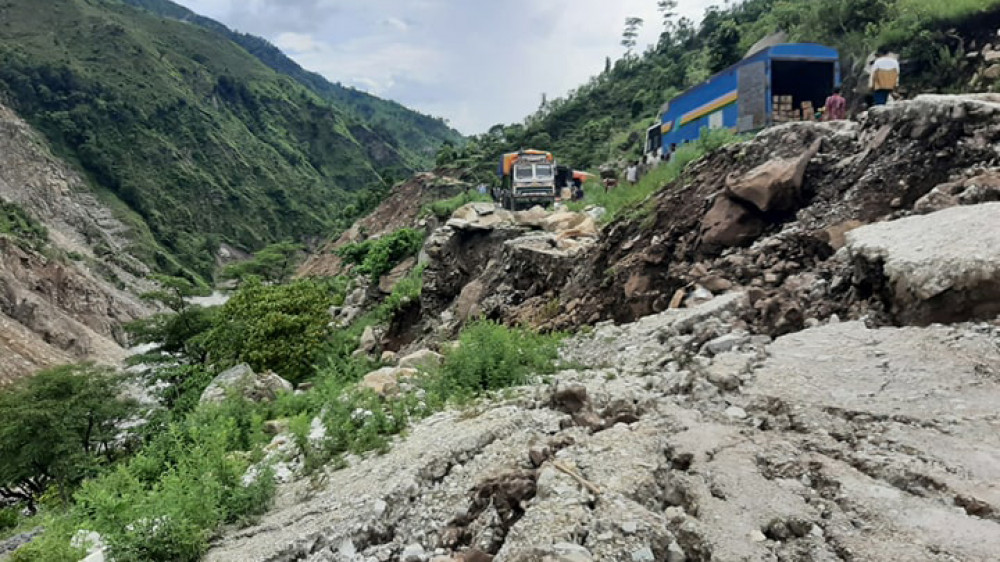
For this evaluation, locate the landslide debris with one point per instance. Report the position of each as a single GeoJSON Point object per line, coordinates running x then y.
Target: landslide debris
{"type": "Point", "coordinates": [682, 439]}
{"type": "Point", "coordinates": [770, 216]}
{"type": "Point", "coordinates": [53, 309]}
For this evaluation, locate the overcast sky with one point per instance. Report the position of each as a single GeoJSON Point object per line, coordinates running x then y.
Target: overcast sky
{"type": "Point", "coordinates": [473, 62]}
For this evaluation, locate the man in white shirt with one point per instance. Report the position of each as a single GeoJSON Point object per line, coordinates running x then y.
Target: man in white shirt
{"type": "Point", "coordinates": [884, 77]}
{"type": "Point", "coordinates": [632, 174]}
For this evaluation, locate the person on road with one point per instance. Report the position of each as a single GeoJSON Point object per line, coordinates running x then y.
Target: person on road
{"type": "Point", "coordinates": [632, 173]}
{"type": "Point", "coordinates": [836, 107]}
{"type": "Point", "coordinates": [884, 77]}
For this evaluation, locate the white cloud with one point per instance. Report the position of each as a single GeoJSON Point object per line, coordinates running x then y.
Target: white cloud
{"type": "Point", "coordinates": [396, 23]}
{"type": "Point", "coordinates": [475, 63]}
{"type": "Point", "coordinates": [297, 43]}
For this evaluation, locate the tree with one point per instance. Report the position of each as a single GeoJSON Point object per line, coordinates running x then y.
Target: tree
{"type": "Point", "coordinates": [279, 327]}
{"type": "Point", "coordinates": [275, 263]}
{"type": "Point", "coordinates": [631, 34]}
{"type": "Point", "coordinates": [58, 427]}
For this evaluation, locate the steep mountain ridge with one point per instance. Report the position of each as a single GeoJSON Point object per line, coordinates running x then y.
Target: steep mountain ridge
{"type": "Point", "coordinates": [63, 299]}
{"type": "Point", "coordinates": [200, 140]}
{"type": "Point", "coordinates": [413, 134]}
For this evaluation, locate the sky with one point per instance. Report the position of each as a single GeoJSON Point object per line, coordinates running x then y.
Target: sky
{"type": "Point", "coordinates": [475, 63]}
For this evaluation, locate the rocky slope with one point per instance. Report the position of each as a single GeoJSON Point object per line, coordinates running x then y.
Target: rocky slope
{"type": "Point", "coordinates": [685, 439]}
{"type": "Point", "coordinates": [54, 309]}
{"type": "Point", "coordinates": [768, 215]}
{"type": "Point", "coordinates": [805, 366]}
{"type": "Point", "coordinates": [401, 209]}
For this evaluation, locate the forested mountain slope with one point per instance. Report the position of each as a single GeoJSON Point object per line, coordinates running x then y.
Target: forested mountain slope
{"type": "Point", "coordinates": [413, 134]}
{"type": "Point", "coordinates": [604, 119]}
{"type": "Point", "coordinates": [200, 140]}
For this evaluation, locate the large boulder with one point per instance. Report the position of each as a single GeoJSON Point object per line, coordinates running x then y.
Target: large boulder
{"type": "Point", "coordinates": [775, 185]}
{"type": "Point", "coordinates": [422, 360]}
{"type": "Point", "coordinates": [385, 381]}
{"type": "Point", "coordinates": [941, 267]}
{"type": "Point", "coordinates": [563, 221]}
{"type": "Point", "coordinates": [730, 223]}
{"type": "Point", "coordinates": [242, 381]}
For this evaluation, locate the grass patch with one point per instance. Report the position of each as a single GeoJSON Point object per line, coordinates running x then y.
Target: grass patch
{"type": "Point", "coordinates": [444, 208]}
{"type": "Point", "coordinates": [627, 198]}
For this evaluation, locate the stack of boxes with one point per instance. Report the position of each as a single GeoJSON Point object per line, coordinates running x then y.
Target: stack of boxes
{"type": "Point", "coordinates": [785, 110]}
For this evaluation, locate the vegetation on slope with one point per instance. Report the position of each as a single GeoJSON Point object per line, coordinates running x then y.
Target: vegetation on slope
{"type": "Point", "coordinates": [24, 229]}
{"type": "Point", "coordinates": [605, 119]}
{"type": "Point", "coordinates": [414, 135]}
{"type": "Point", "coordinates": [195, 135]}
{"type": "Point", "coordinates": [198, 466]}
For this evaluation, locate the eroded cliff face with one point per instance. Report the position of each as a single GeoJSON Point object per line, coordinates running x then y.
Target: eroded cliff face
{"type": "Point", "coordinates": [68, 301]}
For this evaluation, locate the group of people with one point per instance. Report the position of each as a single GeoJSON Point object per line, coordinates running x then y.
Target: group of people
{"type": "Point", "coordinates": [883, 81]}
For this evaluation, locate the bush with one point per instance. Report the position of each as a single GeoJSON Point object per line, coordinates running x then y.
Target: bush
{"type": "Point", "coordinates": [446, 207]}
{"type": "Point", "coordinates": [279, 327]}
{"type": "Point", "coordinates": [378, 256]}
{"type": "Point", "coordinates": [57, 428]}
{"type": "Point", "coordinates": [9, 519]}
{"type": "Point", "coordinates": [491, 356]}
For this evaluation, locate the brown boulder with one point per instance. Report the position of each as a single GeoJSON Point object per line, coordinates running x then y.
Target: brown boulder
{"type": "Point", "coordinates": [775, 185]}
{"type": "Point", "coordinates": [388, 282]}
{"type": "Point", "coordinates": [467, 303]}
{"type": "Point", "coordinates": [729, 223]}
{"type": "Point", "coordinates": [385, 381]}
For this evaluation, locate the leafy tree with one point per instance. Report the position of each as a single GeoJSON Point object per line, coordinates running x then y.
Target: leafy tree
{"type": "Point", "coordinates": [274, 263]}
{"type": "Point", "coordinates": [57, 428]}
{"type": "Point", "coordinates": [278, 327]}
{"type": "Point", "coordinates": [631, 34]}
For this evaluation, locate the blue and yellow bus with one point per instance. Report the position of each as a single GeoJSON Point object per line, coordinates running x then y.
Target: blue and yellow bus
{"type": "Point", "coordinates": [742, 97]}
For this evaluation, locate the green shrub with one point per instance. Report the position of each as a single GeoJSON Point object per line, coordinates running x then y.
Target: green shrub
{"type": "Point", "coordinates": [9, 519]}
{"type": "Point", "coordinates": [57, 428]}
{"type": "Point", "coordinates": [277, 327]}
{"type": "Point", "coordinates": [444, 208]}
{"type": "Point", "coordinates": [491, 356]}
{"type": "Point", "coordinates": [378, 256]}
{"type": "Point", "coordinates": [25, 230]}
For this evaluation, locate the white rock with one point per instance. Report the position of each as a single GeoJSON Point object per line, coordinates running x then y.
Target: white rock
{"type": "Point", "coordinates": [736, 413]}
{"type": "Point", "coordinates": [644, 554]}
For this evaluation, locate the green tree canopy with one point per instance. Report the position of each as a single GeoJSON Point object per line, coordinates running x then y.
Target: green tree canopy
{"type": "Point", "coordinates": [58, 427]}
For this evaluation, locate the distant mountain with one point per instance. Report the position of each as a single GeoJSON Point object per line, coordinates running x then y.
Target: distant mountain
{"type": "Point", "coordinates": [190, 138]}
{"type": "Point", "coordinates": [413, 134]}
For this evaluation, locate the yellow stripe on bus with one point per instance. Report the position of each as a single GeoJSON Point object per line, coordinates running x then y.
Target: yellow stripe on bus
{"type": "Point", "coordinates": [710, 107]}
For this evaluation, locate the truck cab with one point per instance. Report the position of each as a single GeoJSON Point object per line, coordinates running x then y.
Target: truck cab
{"type": "Point", "coordinates": [528, 179]}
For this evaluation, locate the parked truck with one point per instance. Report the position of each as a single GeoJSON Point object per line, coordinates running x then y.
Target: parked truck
{"type": "Point", "coordinates": [528, 178]}
{"type": "Point", "coordinates": [776, 84]}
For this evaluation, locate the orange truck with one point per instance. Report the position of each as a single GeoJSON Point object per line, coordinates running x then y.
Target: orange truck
{"type": "Point", "coordinates": [528, 178]}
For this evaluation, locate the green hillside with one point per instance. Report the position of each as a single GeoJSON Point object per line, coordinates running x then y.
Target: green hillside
{"type": "Point", "coordinates": [605, 119]}
{"type": "Point", "coordinates": [416, 136]}
{"type": "Point", "coordinates": [194, 135]}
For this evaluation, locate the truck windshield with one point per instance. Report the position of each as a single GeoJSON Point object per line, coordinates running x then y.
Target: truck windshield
{"type": "Point", "coordinates": [543, 171]}
{"type": "Point", "coordinates": [523, 173]}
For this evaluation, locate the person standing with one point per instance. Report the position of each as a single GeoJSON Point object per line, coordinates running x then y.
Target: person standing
{"type": "Point", "coordinates": [632, 174]}
{"type": "Point", "coordinates": [836, 107]}
{"type": "Point", "coordinates": [884, 77]}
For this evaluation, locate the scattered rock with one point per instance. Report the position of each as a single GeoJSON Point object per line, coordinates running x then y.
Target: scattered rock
{"type": "Point", "coordinates": [385, 381]}
{"type": "Point", "coordinates": [422, 360]}
{"type": "Point", "coordinates": [242, 381]}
